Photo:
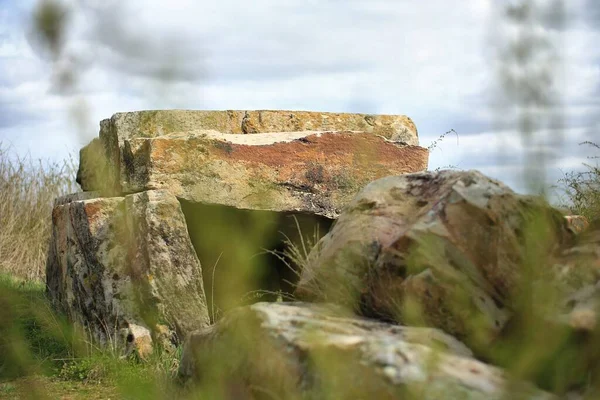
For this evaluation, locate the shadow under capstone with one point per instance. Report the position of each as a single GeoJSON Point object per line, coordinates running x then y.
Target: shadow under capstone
{"type": "Point", "coordinates": [235, 248]}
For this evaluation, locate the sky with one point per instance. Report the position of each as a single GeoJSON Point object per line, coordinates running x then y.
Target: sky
{"type": "Point", "coordinates": [446, 64]}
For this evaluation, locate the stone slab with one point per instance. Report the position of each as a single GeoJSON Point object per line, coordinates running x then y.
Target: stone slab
{"type": "Point", "coordinates": [125, 266]}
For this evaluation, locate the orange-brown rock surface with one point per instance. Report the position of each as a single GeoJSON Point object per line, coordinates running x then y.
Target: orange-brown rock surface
{"type": "Point", "coordinates": [273, 160]}
{"type": "Point", "coordinates": [316, 172]}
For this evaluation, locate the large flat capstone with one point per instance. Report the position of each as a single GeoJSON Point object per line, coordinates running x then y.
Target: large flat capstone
{"type": "Point", "coordinates": [262, 160]}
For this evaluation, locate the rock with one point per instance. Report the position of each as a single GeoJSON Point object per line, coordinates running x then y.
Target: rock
{"type": "Point", "coordinates": [301, 161]}
{"type": "Point", "coordinates": [99, 166]}
{"type": "Point", "coordinates": [106, 163]}
{"type": "Point", "coordinates": [163, 122]}
{"type": "Point", "coordinates": [295, 350]}
{"type": "Point", "coordinates": [445, 249]}
{"type": "Point", "coordinates": [317, 173]}
{"type": "Point", "coordinates": [577, 223]}
{"type": "Point", "coordinates": [138, 339]}
{"type": "Point", "coordinates": [59, 201]}
{"type": "Point", "coordinates": [123, 266]}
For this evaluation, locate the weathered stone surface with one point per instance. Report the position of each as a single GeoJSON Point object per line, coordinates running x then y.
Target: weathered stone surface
{"type": "Point", "coordinates": [136, 151]}
{"type": "Point", "coordinates": [61, 200]}
{"type": "Point", "coordinates": [446, 249]}
{"type": "Point", "coordinates": [577, 223]}
{"type": "Point", "coordinates": [125, 267]}
{"type": "Point", "coordinates": [163, 122]}
{"type": "Point", "coordinates": [577, 267]}
{"type": "Point", "coordinates": [318, 173]}
{"type": "Point", "coordinates": [297, 350]}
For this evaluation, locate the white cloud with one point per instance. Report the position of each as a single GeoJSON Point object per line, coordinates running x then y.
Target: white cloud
{"type": "Point", "coordinates": [431, 60]}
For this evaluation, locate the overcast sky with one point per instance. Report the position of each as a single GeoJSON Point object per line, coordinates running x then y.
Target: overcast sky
{"type": "Point", "coordinates": [446, 64]}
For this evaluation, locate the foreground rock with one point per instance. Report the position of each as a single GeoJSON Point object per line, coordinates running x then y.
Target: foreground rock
{"type": "Point", "coordinates": [292, 161]}
{"type": "Point", "coordinates": [453, 250]}
{"type": "Point", "coordinates": [278, 350]}
{"type": "Point", "coordinates": [125, 268]}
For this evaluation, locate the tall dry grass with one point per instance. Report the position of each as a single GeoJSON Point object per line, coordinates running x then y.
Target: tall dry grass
{"type": "Point", "coordinates": [28, 188]}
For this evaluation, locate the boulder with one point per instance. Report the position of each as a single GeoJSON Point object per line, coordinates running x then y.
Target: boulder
{"type": "Point", "coordinates": [295, 350]}
{"type": "Point", "coordinates": [125, 268]}
{"type": "Point", "coordinates": [309, 172]}
{"type": "Point", "coordinates": [452, 250]}
{"type": "Point", "coordinates": [291, 161]}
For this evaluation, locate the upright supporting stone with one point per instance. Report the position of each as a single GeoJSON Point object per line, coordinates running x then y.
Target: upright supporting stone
{"type": "Point", "coordinates": [125, 268]}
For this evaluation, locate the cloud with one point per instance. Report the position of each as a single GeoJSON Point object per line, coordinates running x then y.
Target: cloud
{"type": "Point", "coordinates": [592, 13]}
{"type": "Point", "coordinates": [436, 63]}
{"type": "Point", "coordinates": [14, 114]}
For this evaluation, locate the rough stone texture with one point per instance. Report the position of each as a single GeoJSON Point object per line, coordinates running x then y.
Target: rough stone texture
{"type": "Point", "coordinates": [294, 350]}
{"type": "Point", "coordinates": [318, 173]}
{"type": "Point", "coordinates": [68, 198]}
{"type": "Point", "coordinates": [445, 249]}
{"type": "Point", "coordinates": [107, 163]}
{"type": "Point", "coordinates": [577, 223]}
{"type": "Point", "coordinates": [125, 268]}
{"type": "Point", "coordinates": [578, 269]}
{"type": "Point", "coordinates": [162, 122]}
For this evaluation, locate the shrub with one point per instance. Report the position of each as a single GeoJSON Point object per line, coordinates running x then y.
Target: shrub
{"type": "Point", "coordinates": [582, 189]}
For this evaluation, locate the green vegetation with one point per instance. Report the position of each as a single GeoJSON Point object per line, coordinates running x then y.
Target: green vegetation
{"type": "Point", "coordinates": [582, 189]}
{"type": "Point", "coordinates": [27, 191]}
{"type": "Point", "coordinates": [44, 356]}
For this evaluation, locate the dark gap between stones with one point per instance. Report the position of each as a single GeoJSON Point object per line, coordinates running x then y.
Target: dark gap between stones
{"type": "Point", "coordinates": [245, 273]}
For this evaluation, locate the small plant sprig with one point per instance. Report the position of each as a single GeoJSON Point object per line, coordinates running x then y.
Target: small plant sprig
{"type": "Point", "coordinates": [437, 141]}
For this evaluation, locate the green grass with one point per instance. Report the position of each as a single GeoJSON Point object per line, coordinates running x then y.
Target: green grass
{"type": "Point", "coordinates": [31, 335]}
{"type": "Point", "coordinates": [43, 356]}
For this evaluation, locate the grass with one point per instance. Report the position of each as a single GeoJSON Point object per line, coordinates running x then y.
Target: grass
{"type": "Point", "coordinates": [27, 191]}
{"type": "Point", "coordinates": [43, 356]}
{"type": "Point", "coordinates": [31, 335]}
{"type": "Point", "coordinates": [582, 189]}
{"type": "Point", "coordinates": [435, 144]}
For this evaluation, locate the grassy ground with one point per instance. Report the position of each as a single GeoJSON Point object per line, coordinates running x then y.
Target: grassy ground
{"type": "Point", "coordinates": [43, 357]}
{"type": "Point", "coordinates": [48, 387]}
